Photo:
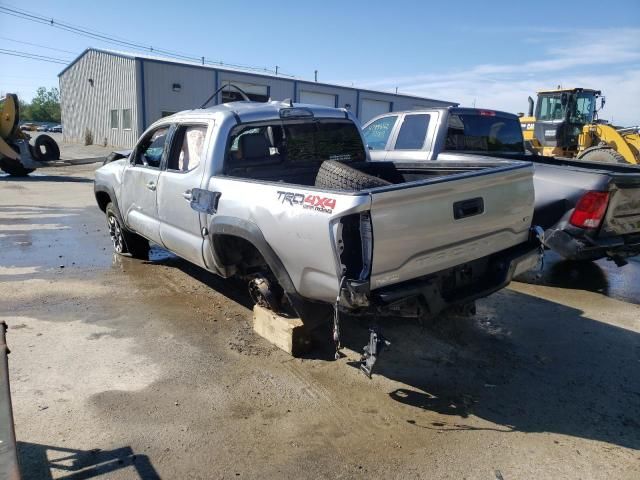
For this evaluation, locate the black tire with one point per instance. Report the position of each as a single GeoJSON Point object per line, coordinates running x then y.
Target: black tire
{"type": "Point", "coordinates": [15, 169]}
{"type": "Point", "coordinates": [125, 242]}
{"type": "Point", "coordinates": [50, 147]}
{"type": "Point", "coordinates": [608, 155]}
{"type": "Point", "coordinates": [338, 176]}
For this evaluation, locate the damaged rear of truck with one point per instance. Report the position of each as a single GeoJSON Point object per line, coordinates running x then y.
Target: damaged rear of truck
{"type": "Point", "coordinates": [285, 197]}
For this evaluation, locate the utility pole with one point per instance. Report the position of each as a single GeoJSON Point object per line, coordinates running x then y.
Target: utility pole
{"type": "Point", "coordinates": [315, 73]}
{"type": "Point", "coordinates": [203, 60]}
{"type": "Point", "coordinates": [276, 69]}
{"type": "Point", "coordinates": [396, 90]}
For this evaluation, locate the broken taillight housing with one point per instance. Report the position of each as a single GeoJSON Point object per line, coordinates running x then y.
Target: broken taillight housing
{"type": "Point", "coordinates": [590, 210]}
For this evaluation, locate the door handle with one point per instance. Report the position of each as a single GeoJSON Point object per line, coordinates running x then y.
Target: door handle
{"type": "Point", "coordinates": [468, 208]}
{"type": "Point", "coordinates": [187, 195]}
{"type": "Point", "coordinates": [151, 186]}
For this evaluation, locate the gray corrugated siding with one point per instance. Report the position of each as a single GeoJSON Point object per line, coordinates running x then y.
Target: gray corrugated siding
{"type": "Point", "coordinates": [196, 85]}
{"type": "Point", "coordinates": [146, 85]}
{"type": "Point", "coordinates": [86, 107]}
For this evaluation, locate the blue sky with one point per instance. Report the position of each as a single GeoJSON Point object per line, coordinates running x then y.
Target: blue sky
{"type": "Point", "coordinates": [491, 53]}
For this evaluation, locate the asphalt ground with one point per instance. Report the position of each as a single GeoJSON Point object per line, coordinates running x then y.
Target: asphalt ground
{"type": "Point", "coordinates": [150, 369]}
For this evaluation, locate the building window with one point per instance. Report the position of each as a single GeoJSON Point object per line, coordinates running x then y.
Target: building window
{"type": "Point", "coordinates": [114, 118]}
{"type": "Point", "coordinates": [256, 93]}
{"type": "Point", "coordinates": [126, 119]}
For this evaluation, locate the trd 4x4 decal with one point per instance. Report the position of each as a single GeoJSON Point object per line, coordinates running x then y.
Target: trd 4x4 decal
{"type": "Point", "coordinates": [315, 202]}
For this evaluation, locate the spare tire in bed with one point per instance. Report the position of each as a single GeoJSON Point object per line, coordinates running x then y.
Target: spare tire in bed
{"type": "Point", "coordinates": [338, 176]}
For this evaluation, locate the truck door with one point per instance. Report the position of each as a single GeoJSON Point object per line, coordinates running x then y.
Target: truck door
{"type": "Point", "coordinates": [378, 135]}
{"type": "Point", "coordinates": [139, 184]}
{"type": "Point", "coordinates": [180, 229]}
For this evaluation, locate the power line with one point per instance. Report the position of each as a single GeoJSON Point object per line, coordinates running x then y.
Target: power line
{"type": "Point", "coordinates": [33, 56]}
{"type": "Point", "coordinates": [103, 37]}
{"type": "Point", "coordinates": [37, 45]}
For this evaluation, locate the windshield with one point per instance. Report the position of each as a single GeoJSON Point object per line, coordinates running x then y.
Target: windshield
{"type": "Point", "coordinates": [295, 141]}
{"type": "Point", "coordinates": [484, 133]}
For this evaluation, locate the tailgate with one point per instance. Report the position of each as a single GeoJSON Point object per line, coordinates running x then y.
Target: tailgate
{"type": "Point", "coordinates": [424, 227]}
{"type": "Point", "coordinates": [623, 213]}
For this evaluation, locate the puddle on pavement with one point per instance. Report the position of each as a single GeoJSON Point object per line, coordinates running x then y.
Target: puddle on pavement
{"type": "Point", "coordinates": [602, 276]}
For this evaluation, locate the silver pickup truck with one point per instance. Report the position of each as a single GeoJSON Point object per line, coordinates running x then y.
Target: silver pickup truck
{"type": "Point", "coordinates": [588, 210]}
{"type": "Point", "coordinates": [285, 196]}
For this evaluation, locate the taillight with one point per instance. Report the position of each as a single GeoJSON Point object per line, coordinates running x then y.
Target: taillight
{"type": "Point", "coordinates": [487, 113]}
{"type": "Point", "coordinates": [590, 210]}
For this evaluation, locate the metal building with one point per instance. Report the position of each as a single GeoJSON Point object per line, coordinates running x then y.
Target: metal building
{"type": "Point", "coordinates": [114, 96]}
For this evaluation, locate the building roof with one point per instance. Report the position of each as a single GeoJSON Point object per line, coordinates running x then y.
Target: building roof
{"type": "Point", "coordinates": [247, 71]}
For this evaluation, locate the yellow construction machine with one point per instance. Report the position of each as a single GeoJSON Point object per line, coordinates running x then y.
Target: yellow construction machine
{"type": "Point", "coordinates": [17, 156]}
{"type": "Point", "coordinates": [565, 123]}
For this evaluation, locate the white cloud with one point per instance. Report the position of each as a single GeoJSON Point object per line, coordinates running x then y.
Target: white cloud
{"type": "Point", "coordinates": [606, 59]}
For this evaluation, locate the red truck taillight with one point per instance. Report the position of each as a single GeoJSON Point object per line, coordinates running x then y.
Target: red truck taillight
{"type": "Point", "coordinates": [590, 210]}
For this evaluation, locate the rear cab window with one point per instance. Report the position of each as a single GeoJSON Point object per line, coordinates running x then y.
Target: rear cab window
{"type": "Point", "coordinates": [293, 143]}
{"type": "Point", "coordinates": [486, 131]}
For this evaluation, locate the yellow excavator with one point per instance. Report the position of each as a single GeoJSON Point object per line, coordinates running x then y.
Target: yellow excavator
{"type": "Point", "coordinates": [17, 156]}
{"type": "Point", "coordinates": [565, 123]}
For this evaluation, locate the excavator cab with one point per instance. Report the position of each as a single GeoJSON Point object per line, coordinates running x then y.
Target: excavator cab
{"type": "Point", "coordinates": [560, 116]}
{"type": "Point", "coordinates": [564, 122]}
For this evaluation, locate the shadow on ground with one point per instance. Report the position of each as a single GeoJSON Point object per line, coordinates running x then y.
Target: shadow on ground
{"type": "Point", "coordinates": [48, 462]}
{"type": "Point", "coordinates": [602, 276]}
{"type": "Point", "coordinates": [523, 363]}
{"type": "Point", "coordinates": [530, 365]}
{"type": "Point", "coordinates": [36, 177]}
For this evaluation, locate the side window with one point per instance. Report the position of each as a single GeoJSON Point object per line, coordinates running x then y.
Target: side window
{"type": "Point", "coordinates": [412, 132]}
{"type": "Point", "coordinates": [149, 151]}
{"type": "Point", "coordinates": [377, 133]}
{"type": "Point", "coordinates": [126, 119]}
{"type": "Point", "coordinates": [188, 151]}
{"type": "Point", "coordinates": [114, 118]}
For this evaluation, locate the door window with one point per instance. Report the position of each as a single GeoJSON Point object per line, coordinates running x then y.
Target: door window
{"type": "Point", "coordinates": [149, 151]}
{"type": "Point", "coordinates": [377, 133]}
{"type": "Point", "coordinates": [188, 152]}
{"type": "Point", "coordinates": [550, 108]}
{"type": "Point", "coordinates": [412, 132]}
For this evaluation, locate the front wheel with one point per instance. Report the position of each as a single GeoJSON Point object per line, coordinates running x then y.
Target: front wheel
{"type": "Point", "coordinates": [125, 242]}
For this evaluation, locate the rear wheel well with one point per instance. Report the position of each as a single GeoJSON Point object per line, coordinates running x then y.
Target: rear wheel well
{"type": "Point", "coordinates": [103, 200]}
{"type": "Point", "coordinates": [247, 263]}
{"type": "Point", "coordinates": [239, 252]}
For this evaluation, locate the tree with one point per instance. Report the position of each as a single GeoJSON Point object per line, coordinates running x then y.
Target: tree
{"type": "Point", "coordinates": [45, 106]}
{"type": "Point", "coordinates": [25, 110]}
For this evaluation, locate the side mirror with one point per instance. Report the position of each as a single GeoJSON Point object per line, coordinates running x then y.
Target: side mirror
{"type": "Point", "coordinates": [603, 100]}
{"type": "Point", "coordinates": [530, 100]}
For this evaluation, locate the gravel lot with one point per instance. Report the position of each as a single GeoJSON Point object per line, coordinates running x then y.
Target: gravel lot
{"type": "Point", "coordinates": [130, 369]}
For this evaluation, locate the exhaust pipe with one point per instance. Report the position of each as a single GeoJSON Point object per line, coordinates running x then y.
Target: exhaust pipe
{"type": "Point", "coordinates": [530, 100]}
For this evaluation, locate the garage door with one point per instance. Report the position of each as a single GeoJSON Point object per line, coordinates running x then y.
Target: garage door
{"type": "Point", "coordinates": [371, 108]}
{"type": "Point", "coordinates": [316, 98]}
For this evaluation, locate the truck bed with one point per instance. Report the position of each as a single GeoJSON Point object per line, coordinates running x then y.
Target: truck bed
{"type": "Point", "coordinates": [431, 217]}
